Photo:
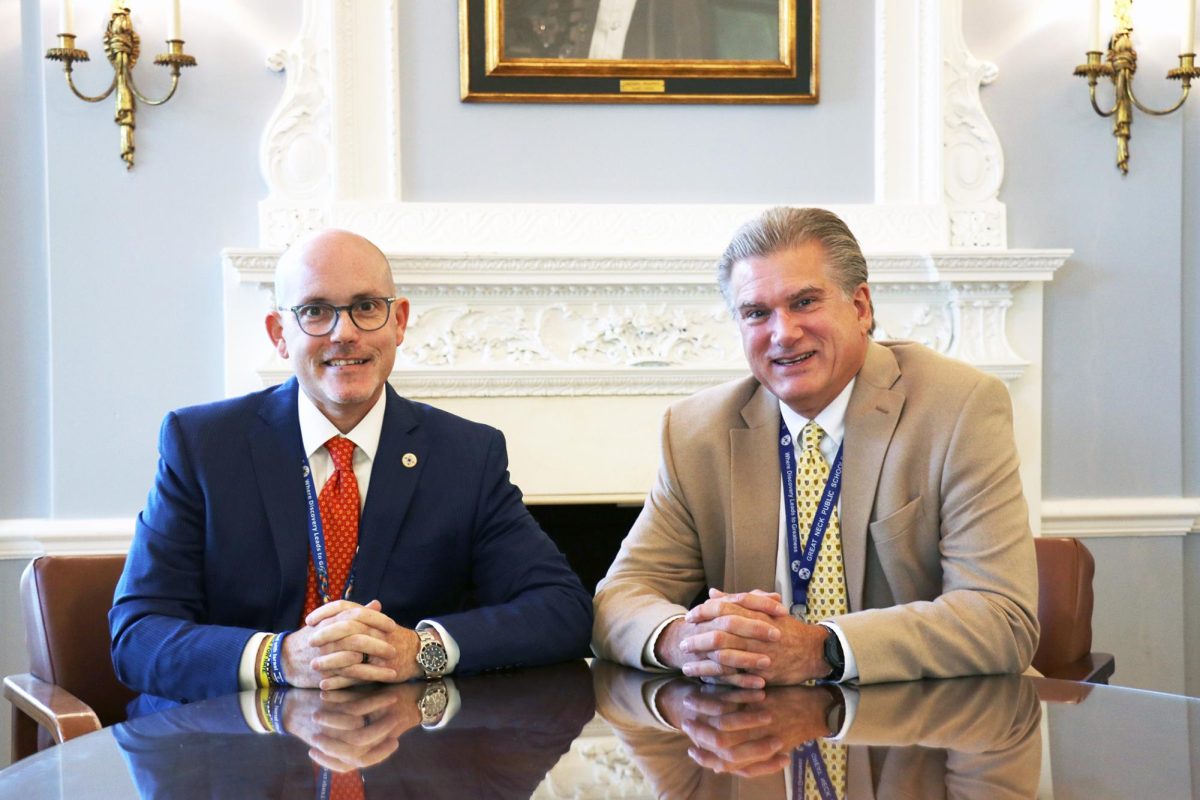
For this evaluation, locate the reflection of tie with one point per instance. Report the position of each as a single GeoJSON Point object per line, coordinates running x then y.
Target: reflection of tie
{"type": "Point", "coordinates": [339, 785]}
{"type": "Point", "coordinates": [827, 591]}
{"type": "Point", "coordinates": [339, 522]}
{"type": "Point", "coordinates": [833, 764]}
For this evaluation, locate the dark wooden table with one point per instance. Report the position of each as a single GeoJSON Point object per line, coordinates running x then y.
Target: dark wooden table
{"type": "Point", "coordinates": [571, 731]}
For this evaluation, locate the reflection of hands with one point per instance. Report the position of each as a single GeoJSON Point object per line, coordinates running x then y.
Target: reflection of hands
{"type": "Point", "coordinates": [329, 650]}
{"type": "Point", "coordinates": [347, 730]}
{"type": "Point", "coordinates": [748, 732]}
{"type": "Point", "coordinates": [727, 649]}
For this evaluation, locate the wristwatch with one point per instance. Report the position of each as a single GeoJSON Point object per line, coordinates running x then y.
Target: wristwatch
{"type": "Point", "coordinates": [431, 655]}
{"type": "Point", "coordinates": [432, 704]}
{"type": "Point", "coordinates": [834, 656]}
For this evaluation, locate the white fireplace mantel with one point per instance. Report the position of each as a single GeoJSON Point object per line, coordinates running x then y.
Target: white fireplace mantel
{"type": "Point", "coordinates": [582, 322]}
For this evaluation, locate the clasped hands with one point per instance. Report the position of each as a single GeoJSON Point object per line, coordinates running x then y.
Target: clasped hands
{"type": "Point", "coordinates": [344, 643]}
{"type": "Point", "coordinates": [748, 639]}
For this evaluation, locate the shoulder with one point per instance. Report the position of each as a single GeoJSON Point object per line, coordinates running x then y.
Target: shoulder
{"type": "Point", "coordinates": [719, 405]}
{"type": "Point", "coordinates": [442, 426]}
{"type": "Point", "coordinates": [939, 392]}
{"type": "Point", "coordinates": [930, 372]}
{"type": "Point", "coordinates": [237, 410]}
{"type": "Point", "coordinates": [223, 422]}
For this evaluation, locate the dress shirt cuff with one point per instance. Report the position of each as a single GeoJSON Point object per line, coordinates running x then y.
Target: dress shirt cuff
{"type": "Point", "coordinates": [850, 699]}
{"type": "Point", "coordinates": [248, 702]}
{"type": "Point", "coordinates": [448, 642]}
{"type": "Point", "coordinates": [648, 659]}
{"type": "Point", "coordinates": [248, 666]}
{"type": "Point", "coordinates": [851, 671]}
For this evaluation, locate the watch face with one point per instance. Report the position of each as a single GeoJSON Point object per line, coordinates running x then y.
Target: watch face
{"type": "Point", "coordinates": [432, 657]}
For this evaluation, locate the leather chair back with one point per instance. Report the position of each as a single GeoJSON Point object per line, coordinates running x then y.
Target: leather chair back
{"type": "Point", "coordinates": [1065, 571]}
{"type": "Point", "coordinates": [65, 602]}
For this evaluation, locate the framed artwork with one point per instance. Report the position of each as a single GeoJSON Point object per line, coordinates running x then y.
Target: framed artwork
{"type": "Point", "coordinates": [638, 51]}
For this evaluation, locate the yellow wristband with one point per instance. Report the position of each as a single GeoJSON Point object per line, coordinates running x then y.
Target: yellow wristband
{"type": "Point", "coordinates": [264, 652]}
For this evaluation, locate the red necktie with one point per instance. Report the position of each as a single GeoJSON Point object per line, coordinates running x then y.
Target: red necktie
{"type": "Point", "coordinates": [339, 521]}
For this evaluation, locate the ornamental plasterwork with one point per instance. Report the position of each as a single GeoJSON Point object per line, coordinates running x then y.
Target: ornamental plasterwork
{"type": "Point", "coordinates": [603, 336]}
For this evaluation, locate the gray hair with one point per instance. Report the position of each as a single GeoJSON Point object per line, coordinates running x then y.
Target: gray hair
{"type": "Point", "coordinates": [783, 228]}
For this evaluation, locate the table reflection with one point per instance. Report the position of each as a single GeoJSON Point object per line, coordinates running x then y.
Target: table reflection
{"type": "Point", "coordinates": [970, 737]}
{"type": "Point", "coordinates": [493, 735]}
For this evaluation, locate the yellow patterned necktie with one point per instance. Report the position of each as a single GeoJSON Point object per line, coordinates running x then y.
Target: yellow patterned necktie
{"type": "Point", "coordinates": [827, 590]}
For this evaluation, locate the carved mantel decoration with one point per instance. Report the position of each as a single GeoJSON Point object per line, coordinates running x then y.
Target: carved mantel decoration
{"type": "Point", "coordinates": [550, 320]}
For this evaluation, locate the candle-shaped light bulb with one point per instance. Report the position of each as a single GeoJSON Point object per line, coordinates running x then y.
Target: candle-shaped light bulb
{"type": "Point", "coordinates": [66, 18]}
{"type": "Point", "coordinates": [1187, 42]}
{"type": "Point", "coordinates": [1094, 26]}
{"type": "Point", "coordinates": [175, 31]}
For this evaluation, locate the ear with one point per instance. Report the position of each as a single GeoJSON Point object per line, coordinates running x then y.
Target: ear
{"type": "Point", "coordinates": [862, 307]}
{"type": "Point", "coordinates": [400, 309]}
{"type": "Point", "coordinates": [274, 325]}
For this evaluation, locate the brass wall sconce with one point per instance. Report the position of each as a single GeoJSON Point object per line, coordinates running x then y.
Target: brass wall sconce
{"type": "Point", "coordinates": [122, 46]}
{"type": "Point", "coordinates": [1122, 63]}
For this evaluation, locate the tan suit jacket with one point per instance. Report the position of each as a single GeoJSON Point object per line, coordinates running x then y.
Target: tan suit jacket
{"type": "Point", "coordinates": [939, 558]}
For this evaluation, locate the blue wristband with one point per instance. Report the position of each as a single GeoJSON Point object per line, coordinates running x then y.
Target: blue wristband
{"type": "Point", "coordinates": [275, 660]}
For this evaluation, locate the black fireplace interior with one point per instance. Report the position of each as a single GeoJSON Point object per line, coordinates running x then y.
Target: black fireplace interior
{"type": "Point", "coordinates": [588, 534]}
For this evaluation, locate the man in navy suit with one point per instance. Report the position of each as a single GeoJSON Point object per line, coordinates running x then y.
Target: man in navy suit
{"type": "Point", "coordinates": [448, 572]}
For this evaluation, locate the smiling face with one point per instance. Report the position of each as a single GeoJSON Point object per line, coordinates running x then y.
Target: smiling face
{"type": "Point", "coordinates": [342, 372]}
{"type": "Point", "coordinates": [803, 337]}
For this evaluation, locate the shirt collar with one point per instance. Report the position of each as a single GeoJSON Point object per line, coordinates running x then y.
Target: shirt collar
{"type": "Point", "coordinates": [832, 418]}
{"type": "Point", "coordinates": [316, 429]}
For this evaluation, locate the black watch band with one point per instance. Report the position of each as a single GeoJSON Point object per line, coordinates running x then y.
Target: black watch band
{"type": "Point", "coordinates": [834, 656]}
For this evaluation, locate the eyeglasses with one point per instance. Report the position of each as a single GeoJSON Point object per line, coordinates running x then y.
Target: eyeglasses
{"type": "Point", "coordinates": [367, 314]}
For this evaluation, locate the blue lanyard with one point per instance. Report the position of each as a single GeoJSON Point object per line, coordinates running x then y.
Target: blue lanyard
{"type": "Point", "coordinates": [802, 560]}
{"type": "Point", "coordinates": [316, 542]}
{"type": "Point", "coordinates": [810, 754]}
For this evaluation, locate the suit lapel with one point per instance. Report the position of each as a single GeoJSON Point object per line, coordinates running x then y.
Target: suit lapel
{"type": "Point", "coordinates": [755, 495]}
{"type": "Point", "coordinates": [389, 493]}
{"type": "Point", "coordinates": [871, 419]}
{"type": "Point", "coordinates": [277, 451]}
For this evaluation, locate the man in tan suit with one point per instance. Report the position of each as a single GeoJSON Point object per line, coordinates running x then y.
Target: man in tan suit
{"type": "Point", "coordinates": [931, 555]}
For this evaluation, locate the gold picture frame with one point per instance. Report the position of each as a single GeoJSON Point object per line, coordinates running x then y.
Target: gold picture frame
{"type": "Point", "coordinates": [639, 51]}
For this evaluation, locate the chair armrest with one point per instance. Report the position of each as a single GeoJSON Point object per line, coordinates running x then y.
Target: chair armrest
{"type": "Point", "coordinates": [1092, 668]}
{"type": "Point", "coordinates": [63, 714]}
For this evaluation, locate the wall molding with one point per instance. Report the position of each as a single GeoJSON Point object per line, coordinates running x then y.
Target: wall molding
{"type": "Point", "coordinates": [28, 538]}
{"type": "Point", "coordinates": [1121, 516]}
{"type": "Point", "coordinates": [1099, 517]}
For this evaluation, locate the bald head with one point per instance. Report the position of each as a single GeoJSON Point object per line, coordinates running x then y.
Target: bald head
{"type": "Point", "coordinates": [323, 248]}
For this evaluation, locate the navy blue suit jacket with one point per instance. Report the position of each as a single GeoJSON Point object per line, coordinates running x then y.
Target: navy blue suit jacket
{"type": "Point", "coordinates": [221, 549]}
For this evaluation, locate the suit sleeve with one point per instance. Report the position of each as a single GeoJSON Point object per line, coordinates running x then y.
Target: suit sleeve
{"type": "Point", "coordinates": [658, 571]}
{"type": "Point", "coordinates": [160, 642]}
{"type": "Point", "coordinates": [531, 607]}
{"type": "Point", "coordinates": [985, 619]}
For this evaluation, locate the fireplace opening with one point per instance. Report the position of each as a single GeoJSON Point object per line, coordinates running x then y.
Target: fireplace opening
{"type": "Point", "coordinates": [588, 534]}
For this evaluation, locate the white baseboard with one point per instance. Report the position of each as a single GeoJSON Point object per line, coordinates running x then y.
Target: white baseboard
{"type": "Point", "coordinates": [1079, 517]}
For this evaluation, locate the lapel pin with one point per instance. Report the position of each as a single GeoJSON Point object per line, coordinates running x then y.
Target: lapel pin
{"type": "Point", "coordinates": [409, 460]}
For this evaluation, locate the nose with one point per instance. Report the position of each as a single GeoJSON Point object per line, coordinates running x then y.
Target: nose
{"type": "Point", "coordinates": [785, 330]}
{"type": "Point", "coordinates": [344, 330]}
